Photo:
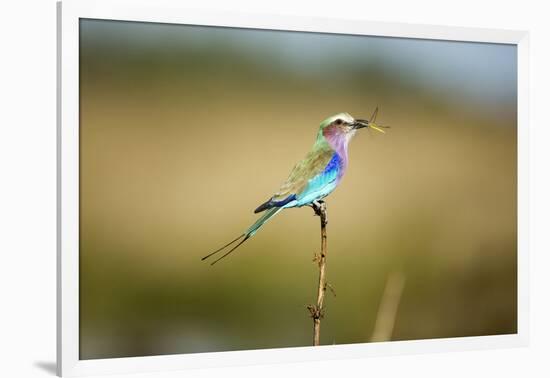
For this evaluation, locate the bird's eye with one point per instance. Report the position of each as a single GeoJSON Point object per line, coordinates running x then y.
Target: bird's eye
{"type": "Point", "coordinates": [338, 122]}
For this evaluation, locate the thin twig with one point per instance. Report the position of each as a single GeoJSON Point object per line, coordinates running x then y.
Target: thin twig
{"type": "Point", "coordinates": [317, 310]}
{"type": "Point", "coordinates": [385, 319]}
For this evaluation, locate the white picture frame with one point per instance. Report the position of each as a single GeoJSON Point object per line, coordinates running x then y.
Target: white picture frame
{"type": "Point", "coordinates": [69, 13]}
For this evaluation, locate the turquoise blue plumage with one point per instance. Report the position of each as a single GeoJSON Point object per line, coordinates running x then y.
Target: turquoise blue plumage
{"type": "Point", "coordinates": [313, 178]}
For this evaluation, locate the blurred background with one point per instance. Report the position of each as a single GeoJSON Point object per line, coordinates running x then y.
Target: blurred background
{"type": "Point", "coordinates": [186, 129]}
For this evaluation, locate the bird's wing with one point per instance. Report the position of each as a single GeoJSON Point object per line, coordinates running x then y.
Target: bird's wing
{"type": "Point", "coordinates": [311, 166]}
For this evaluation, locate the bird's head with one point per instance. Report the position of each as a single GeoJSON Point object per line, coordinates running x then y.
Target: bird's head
{"type": "Point", "coordinates": [344, 126]}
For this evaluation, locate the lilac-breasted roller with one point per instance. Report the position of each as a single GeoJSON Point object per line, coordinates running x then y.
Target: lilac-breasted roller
{"type": "Point", "coordinates": [313, 178]}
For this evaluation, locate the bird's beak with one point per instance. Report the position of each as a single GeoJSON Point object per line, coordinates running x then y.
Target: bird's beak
{"type": "Point", "coordinates": [360, 123]}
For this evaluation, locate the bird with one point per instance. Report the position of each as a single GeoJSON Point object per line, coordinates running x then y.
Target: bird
{"type": "Point", "coordinates": [313, 178]}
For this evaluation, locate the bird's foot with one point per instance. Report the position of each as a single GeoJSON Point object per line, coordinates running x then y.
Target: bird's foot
{"type": "Point", "coordinates": [319, 207]}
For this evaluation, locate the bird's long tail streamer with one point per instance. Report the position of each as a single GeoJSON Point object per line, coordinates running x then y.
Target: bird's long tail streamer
{"type": "Point", "coordinates": [246, 235]}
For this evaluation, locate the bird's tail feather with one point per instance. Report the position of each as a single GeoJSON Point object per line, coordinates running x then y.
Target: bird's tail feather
{"type": "Point", "coordinates": [262, 220]}
{"type": "Point", "coordinates": [247, 234]}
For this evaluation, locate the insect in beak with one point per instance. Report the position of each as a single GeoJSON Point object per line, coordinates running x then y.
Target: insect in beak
{"type": "Point", "coordinates": [373, 126]}
{"type": "Point", "coordinates": [360, 123]}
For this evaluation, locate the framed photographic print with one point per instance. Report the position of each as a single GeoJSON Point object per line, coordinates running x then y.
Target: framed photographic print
{"type": "Point", "coordinates": [238, 188]}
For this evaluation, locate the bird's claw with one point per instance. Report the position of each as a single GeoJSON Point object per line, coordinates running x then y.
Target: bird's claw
{"type": "Point", "coordinates": [318, 207]}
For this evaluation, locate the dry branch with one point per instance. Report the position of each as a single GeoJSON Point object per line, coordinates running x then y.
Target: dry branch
{"type": "Point", "coordinates": [317, 310]}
